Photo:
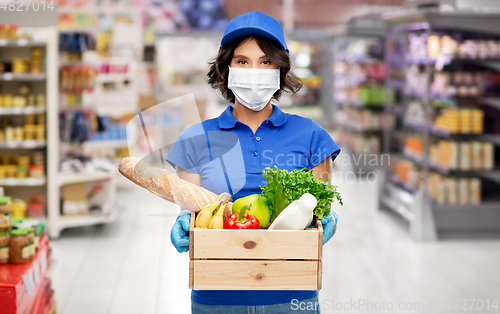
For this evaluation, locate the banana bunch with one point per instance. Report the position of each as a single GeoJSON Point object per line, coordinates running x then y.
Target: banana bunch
{"type": "Point", "coordinates": [206, 217]}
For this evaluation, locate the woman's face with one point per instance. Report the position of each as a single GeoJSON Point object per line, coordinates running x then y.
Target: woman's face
{"type": "Point", "coordinates": [249, 55]}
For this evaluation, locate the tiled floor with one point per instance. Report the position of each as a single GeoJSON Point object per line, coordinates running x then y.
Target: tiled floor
{"type": "Point", "coordinates": [131, 266]}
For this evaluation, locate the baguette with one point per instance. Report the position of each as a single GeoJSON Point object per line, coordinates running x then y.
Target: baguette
{"type": "Point", "coordinates": [168, 185]}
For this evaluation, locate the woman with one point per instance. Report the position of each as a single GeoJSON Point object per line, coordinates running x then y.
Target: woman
{"type": "Point", "coordinates": [228, 153]}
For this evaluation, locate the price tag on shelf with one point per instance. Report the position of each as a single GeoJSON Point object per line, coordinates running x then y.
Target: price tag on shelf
{"type": "Point", "coordinates": [29, 144]}
{"type": "Point", "coordinates": [43, 261]}
{"type": "Point", "coordinates": [22, 41]}
{"type": "Point", "coordinates": [3, 42]}
{"type": "Point", "coordinates": [29, 285]}
{"type": "Point", "coordinates": [36, 272]}
{"type": "Point", "coordinates": [8, 76]}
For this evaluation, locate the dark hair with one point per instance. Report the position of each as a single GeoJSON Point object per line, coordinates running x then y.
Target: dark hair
{"type": "Point", "coordinates": [219, 68]}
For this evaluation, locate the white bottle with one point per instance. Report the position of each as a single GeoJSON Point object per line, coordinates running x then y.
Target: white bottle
{"type": "Point", "coordinates": [298, 215]}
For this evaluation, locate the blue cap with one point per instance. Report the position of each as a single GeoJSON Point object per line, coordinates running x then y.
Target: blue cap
{"type": "Point", "coordinates": [254, 23]}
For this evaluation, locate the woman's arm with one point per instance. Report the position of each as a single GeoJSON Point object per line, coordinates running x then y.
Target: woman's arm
{"type": "Point", "coordinates": [194, 178]}
{"type": "Point", "coordinates": [324, 170]}
{"type": "Point", "coordinates": [188, 176]}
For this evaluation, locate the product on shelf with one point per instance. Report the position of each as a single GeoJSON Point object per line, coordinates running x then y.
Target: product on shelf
{"type": "Point", "coordinates": [454, 190]}
{"type": "Point", "coordinates": [4, 247]}
{"type": "Point", "coordinates": [414, 145]}
{"type": "Point", "coordinates": [463, 120]}
{"type": "Point", "coordinates": [21, 65]}
{"type": "Point", "coordinates": [358, 143]}
{"type": "Point", "coordinates": [369, 119]}
{"type": "Point", "coordinates": [23, 98]}
{"type": "Point", "coordinates": [19, 166]}
{"type": "Point", "coordinates": [5, 213]}
{"type": "Point", "coordinates": [9, 31]}
{"type": "Point", "coordinates": [73, 45]}
{"type": "Point", "coordinates": [11, 130]}
{"type": "Point", "coordinates": [19, 246]}
{"type": "Point", "coordinates": [463, 155]}
{"type": "Point", "coordinates": [76, 79]}
{"type": "Point", "coordinates": [19, 208]}
{"type": "Point", "coordinates": [36, 205]}
{"type": "Point", "coordinates": [416, 80]}
{"type": "Point", "coordinates": [442, 189]}
{"type": "Point", "coordinates": [458, 83]}
{"type": "Point", "coordinates": [305, 56]}
{"type": "Point", "coordinates": [421, 46]}
{"type": "Point", "coordinates": [408, 173]}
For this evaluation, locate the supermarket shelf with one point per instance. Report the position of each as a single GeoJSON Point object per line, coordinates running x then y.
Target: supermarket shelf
{"type": "Point", "coordinates": [87, 220]}
{"type": "Point", "coordinates": [419, 60]}
{"type": "Point", "coordinates": [421, 127]}
{"type": "Point", "coordinates": [493, 175]}
{"type": "Point", "coordinates": [480, 206]}
{"type": "Point", "coordinates": [490, 64]}
{"type": "Point", "coordinates": [491, 101]}
{"type": "Point", "coordinates": [21, 42]}
{"type": "Point", "coordinates": [98, 144]}
{"type": "Point", "coordinates": [396, 109]}
{"type": "Point", "coordinates": [22, 182]}
{"type": "Point", "coordinates": [113, 77]}
{"type": "Point", "coordinates": [23, 144]}
{"type": "Point", "coordinates": [403, 185]}
{"type": "Point", "coordinates": [22, 77]}
{"type": "Point", "coordinates": [68, 178]}
{"type": "Point", "coordinates": [350, 58]}
{"type": "Point", "coordinates": [416, 126]}
{"type": "Point", "coordinates": [360, 104]}
{"type": "Point", "coordinates": [21, 110]}
{"type": "Point", "coordinates": [106, 143]}
{"type": "Point", "coordinates": [473, 217]}
{"type": "Point", "coordinates": [494, 138]}
{"type": "Point", "coordinates": [398, 208]}
{"type": "Point", "coordinates": [346, 124]}
{"type": "Point", "coordinates": [414, 157]}
{"type": "Point", "coordinates": [396, 84]}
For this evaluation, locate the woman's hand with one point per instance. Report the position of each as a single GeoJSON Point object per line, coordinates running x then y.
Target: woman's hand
{"type": "Point", "coordinates": [329, 224]}
{"type": "Point", "coordinates": [179, 235]}
{"type": "Point", "coordinates": [324, 170]}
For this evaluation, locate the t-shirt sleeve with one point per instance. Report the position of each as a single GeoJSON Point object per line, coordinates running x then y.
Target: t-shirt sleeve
{"type": "Point", "coordinates": [184, 151]}
{"type": "Point", "coordinates": [322, 145]}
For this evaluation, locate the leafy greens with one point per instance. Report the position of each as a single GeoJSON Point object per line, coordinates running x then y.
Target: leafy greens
{"type": "Point", "coordinates": [284, 187]}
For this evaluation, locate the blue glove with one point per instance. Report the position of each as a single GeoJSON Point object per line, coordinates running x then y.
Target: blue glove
{"type": "Point", "coordinates": [179, 235]}
{"type": "Point", "coordinates": [329, 223]}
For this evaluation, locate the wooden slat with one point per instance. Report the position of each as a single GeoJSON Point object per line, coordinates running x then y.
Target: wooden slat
{"type": "Point", "coordinates": [191, 236]}
{"type": "Point", "coordinates": [257, 244]}
{"type": "Point", "coordinates": [255, 275]}
{"type": "Point", "coordinates": [320, 238]}
{"type": "Point", "coordinates": [191, 274]}
{"type": "Point", "coordinates": [320, 274]}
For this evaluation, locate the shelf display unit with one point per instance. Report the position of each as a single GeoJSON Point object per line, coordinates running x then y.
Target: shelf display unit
{"type": "Point", "coordinates": [27, 106]}
{"type": "Point", "coordinates": [444, 177]}
{"type": "Point", "coordinates": [359, 93]}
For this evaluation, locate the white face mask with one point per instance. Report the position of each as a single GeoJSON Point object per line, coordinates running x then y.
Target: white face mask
{"type": "Point", "coordinates": [253, 87]}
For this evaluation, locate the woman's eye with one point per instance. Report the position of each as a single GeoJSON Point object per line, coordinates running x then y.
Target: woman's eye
{"type": "Point", "coordinates": [266, 62]}
{"type": "Point", "coordinates": [242, 62]}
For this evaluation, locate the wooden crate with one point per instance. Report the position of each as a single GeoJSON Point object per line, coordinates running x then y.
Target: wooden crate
{"type": "Point", "coordinates": [255, 259]}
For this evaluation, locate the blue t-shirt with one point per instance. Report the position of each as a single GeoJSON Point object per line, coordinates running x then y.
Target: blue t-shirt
{"type": "Point", "coordinates": [230, 158]}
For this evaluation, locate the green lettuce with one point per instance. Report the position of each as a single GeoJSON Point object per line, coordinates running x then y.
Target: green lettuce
{"type": "Point", "coordinates": [284, 187]}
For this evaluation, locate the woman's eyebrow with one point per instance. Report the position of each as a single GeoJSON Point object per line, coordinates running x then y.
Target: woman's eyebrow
{"type": "Point", "coordinates": [245, 57]}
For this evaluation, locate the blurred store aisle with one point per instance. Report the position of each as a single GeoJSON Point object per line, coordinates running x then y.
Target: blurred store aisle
{"type": "Point", "coordinates": [131, 266]}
